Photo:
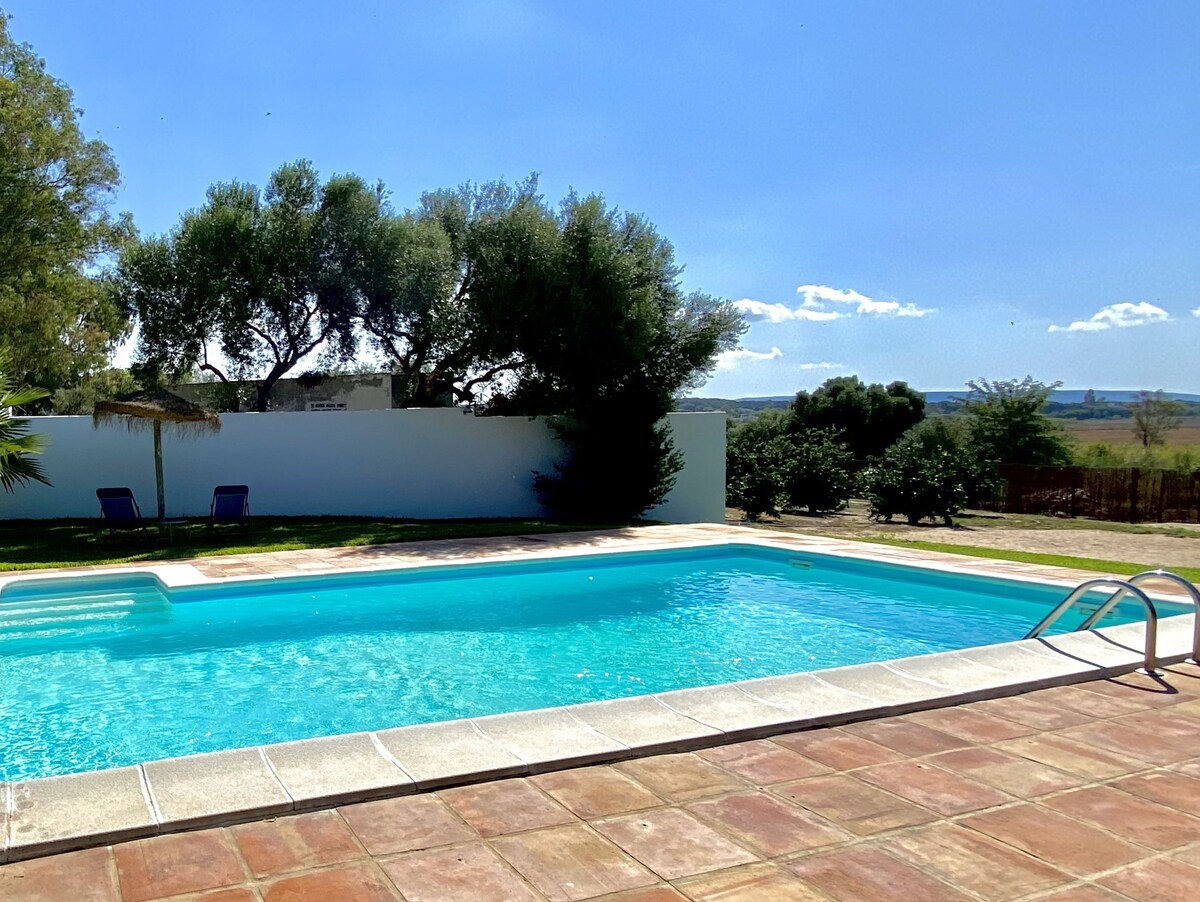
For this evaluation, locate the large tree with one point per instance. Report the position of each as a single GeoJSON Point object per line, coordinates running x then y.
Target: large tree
{"type": "Point", "coordinates": [607, 347]}
{"type": "Point", "coordinates": [488, 296]}
{"type": "Point", "coordinates": [58, 321]}
{"type": "Point", "coordinates": [1007, 424]}
{"type": "Point", "coordinates": [1154, 415]}
{"type": "Point", "coordinates": [446, 279]}
{"type": "Point", "coordinates": [867, 419]}
{"type": "Point", "coordinates": [264, 277]}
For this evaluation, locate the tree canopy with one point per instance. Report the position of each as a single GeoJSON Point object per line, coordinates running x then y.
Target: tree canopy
{"type": "Point", "coordinates": [58, 320]}
{"type": "Point", "coordinates": [867, 419]}
{"type": "Point", "coordinates": [1154, 415]}
{"type": "Point", "coordinates": [1007, 425]}
{"type": "Point", "coordinates": [267, 277]}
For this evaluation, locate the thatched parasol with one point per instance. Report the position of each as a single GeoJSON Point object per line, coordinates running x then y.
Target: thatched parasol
{"type": "Point", "coordinates": [153, 409]}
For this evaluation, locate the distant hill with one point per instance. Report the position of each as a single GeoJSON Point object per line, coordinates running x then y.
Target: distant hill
{"type": "Point", "coordinates": [1062, 396]}
{"type": "Point", "coordinates": [1069, 395]}
{"type": "Point", "coordinates": [1064, 403]}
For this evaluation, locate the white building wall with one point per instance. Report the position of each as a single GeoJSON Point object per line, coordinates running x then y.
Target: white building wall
{"type": "Point", "coordinates": [434, 463]}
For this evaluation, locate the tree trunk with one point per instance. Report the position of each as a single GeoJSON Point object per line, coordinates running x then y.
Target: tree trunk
{"type": "Point", "coordinates": [262, 395]}
{"type": "Point", "coordinates": [158, 473]}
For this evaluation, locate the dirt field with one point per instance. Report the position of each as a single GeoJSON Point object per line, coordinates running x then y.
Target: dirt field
{"type": "Point", "coordinates": [1044, 535]}
{"type": "Point", "coordinates": [1120, 432]}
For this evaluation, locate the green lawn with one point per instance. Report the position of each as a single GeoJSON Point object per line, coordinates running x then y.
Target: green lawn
{"type": "Point", "coordinates": [34, 544]}
{"type": "Point", "coordinates": [1123, 568]}
{"type": "Point", "coordinates": [979, 520]}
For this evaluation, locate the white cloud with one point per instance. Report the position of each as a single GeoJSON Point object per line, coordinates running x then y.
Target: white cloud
{"type": "Point", "coordinates": [1120, 316]}
{"type": "Point", "coordinates": [729, 360]}
{"type": "Point", "coordinates": [1196, 312]}
{"type": "Point", "coordinates": [820, 303]}
{"type": "Point", "coordinates": [821, 366]}
{"type": "Point", "coordinates": [818, 297]}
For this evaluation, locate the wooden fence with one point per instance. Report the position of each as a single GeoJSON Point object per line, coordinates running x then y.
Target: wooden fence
{"type": "Point", "coordinates": [1127, 494]}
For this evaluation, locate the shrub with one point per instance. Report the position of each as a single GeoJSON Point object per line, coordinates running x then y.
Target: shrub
{"type": "Point", "coordinates": [756, 469]}
{"type": "Point", "coordinates": [769, 470]}
{"type": "Point", "coordinates": [616, 469]}
{"type": "Point", "coordinates": [914, 483]}
{"type": "Point", "coordinates": [951, 434]}
{"type": "Point", "coordinates": [817, 474]}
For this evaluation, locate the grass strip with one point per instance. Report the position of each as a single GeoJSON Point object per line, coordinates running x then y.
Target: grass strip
{"type": "Point", "coordinates": [41, 544]}
{"type": "Point", "coordinates": [1122, 568]}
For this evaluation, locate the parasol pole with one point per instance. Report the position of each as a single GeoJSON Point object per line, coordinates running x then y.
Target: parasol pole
{"type": "Point", "coordinates": [158, 474]}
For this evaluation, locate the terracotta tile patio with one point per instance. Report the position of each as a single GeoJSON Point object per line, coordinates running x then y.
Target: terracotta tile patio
{"type": "Point", "coordinates": [1072, 794]}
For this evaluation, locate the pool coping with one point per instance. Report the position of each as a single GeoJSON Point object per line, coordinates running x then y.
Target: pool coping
{"type": "Point", "coordinates": [57, 814]}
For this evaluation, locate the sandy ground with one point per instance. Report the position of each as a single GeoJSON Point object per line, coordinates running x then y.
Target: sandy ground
{"type": "Point", "coordinates": [1105, 544]}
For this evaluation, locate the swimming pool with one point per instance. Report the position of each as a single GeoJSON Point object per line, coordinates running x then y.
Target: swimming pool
{"type": "Point", "coordinates": [98, 672]}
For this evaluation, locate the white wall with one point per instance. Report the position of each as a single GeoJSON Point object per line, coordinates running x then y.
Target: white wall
{"type": "Point", "coordinates": [385, 463]}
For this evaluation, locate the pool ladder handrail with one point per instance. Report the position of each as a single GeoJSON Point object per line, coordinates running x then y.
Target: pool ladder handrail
{"type": "Point", "coordinates": [1124, 587]}
{"type": "Point", "coordinates": [1151, 576]}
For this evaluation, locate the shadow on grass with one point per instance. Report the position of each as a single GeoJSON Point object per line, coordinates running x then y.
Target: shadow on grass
{"type": "Point", "coordinates": [35, 544]}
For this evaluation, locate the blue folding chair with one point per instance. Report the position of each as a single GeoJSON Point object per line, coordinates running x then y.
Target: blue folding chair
{"type": "Point", "coordinates": [230, 506]}
{"type": "Point", "coordinates": [119, 509]}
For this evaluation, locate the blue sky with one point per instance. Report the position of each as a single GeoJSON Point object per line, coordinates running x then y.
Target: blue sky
{"type": "Point", "coordinates": [945, 181]}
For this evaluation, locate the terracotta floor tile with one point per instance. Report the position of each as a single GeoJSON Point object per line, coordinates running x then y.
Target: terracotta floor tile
{"type": "Point", "coordinates": [1031, 712]}
{"type": "Point", "coordinates": [938, 790]}
{"type": "Point", "coordinates": [673, 843]}
{"type": "Point", "coordinates": [571, 863]}
{"type": "Point", "coordinates": [860, 808]}
{"type": "Point", "coordinates": [1093, 704]}
{"type": "Point", "coordinates": [837, 750]}
{"type": "Point", "coordinates": [1142, 821]}
{"type": "Point", "coordinates": [1189, 856]}
{"type": "Point", "coordinates": [974, 862]}
{"type": "Point", "coordinates": [1189, 768]}
{"type": "Point", "coordinates": [1140, 689]}
{"type": "Point", "coordinates": [1085, 892]}
{"type": "Point", "coordinates": [1160, 880]}
{"type": "Point", "coordinates": [505, 807]}
{"type": "Point", "coordinates": [750, 883]}
{"type": "Point", "coordinates": [1138, 740]}
{"type": "Point", "coordinates": [661, 893]}
{"type": "Point", "coordinates": [1175, 790]}
{"type": "Point", "coordinates": [596, 791]}
{"type": "Point", "coordinates": [236, 894]}
{"type": "Point", "coordinates": [680, 778]}
{"type": "Point", "coordinates": [87, 876]}
{"type": "Point", "coordinates": [860, 873]}
{"type": "Point", "coordinates": [1071, 756]}
{"type": "Point", "coordinates": [471, 873]}
{"type": "Point", "coordinates": [905, 736]}
{"type": "Point", "coordinates": [176, 863]}
{"type": "Point", "coordinates": [1054, 838]}
{"type": "Point", "coordinates": [405, 824]}
{"type": "Point", "coordinates": [971, 725]}
{"type": "Point", "coordinates": [359, 882]}
{"type": "Point", "coordinates": [767, 825]}
{"type": "Point", "coordinates": [762, 762]}
{"type": "Point", "coordinates": [1017, 776]}
{"type": "Point", "coordinates": [292, 843]}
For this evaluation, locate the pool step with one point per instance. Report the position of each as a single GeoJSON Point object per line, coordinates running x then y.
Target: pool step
{"type": "Point", "coordinates": [73, 614]}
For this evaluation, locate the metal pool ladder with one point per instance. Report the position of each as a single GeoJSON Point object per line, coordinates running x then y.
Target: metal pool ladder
{"type": "Point", "coordinates": [1123, 588]}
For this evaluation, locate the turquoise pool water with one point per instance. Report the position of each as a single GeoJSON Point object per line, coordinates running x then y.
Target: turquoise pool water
{"type": "Point", "coordinates": [102, 672]}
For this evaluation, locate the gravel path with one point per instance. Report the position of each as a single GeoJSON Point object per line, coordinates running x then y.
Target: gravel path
{"type": "Point", "coordinates": [1055, 538]}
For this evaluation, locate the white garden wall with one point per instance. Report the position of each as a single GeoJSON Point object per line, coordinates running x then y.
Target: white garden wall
{"type": "Point", "coordinates": [385, 463]}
